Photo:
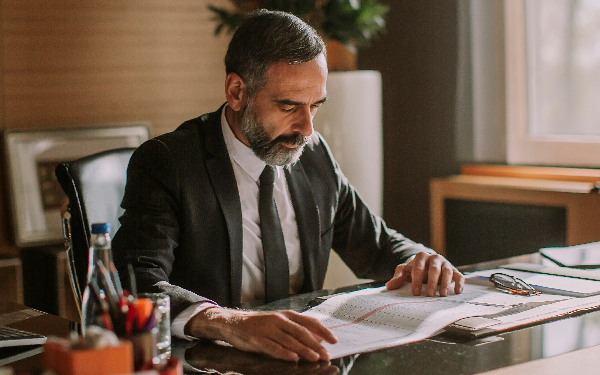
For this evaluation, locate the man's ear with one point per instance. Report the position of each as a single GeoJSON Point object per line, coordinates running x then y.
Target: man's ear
{"type": "Point", "coordinates": [236, 92]}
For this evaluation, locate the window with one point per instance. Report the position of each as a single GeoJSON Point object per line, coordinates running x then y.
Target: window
{"type": "Point", "coordinates": [552, 82]}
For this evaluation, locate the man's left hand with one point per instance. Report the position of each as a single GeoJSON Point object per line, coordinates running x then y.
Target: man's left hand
{"type": "Point", "coordinates": [433, 269]}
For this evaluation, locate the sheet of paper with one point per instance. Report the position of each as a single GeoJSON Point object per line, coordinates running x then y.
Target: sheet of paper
{"type": "Point", "coordinates": [586, 255]}
{"type": "Point", "coordinates": [557, 309]}
{"type": "Point", "coordinates": [372, 319]}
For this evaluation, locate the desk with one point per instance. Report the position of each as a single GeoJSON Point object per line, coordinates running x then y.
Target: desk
{"type": "Point", "coordinates": [441, 354]}
{"type": "Point", "coordinates": [21, 317]}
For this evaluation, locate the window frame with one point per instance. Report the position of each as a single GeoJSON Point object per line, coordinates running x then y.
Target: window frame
{"type": "Point", "coordinates": [522, 147]}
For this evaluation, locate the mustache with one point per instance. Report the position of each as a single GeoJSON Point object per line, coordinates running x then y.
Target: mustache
{"type": "Point", "coordinates": [295, 139]}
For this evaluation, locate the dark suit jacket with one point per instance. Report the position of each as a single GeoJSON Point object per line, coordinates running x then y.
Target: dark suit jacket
{"type": "Point", "coordinates": [182, 227]}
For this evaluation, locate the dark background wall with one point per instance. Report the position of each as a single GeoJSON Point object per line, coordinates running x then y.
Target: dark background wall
{"type": "Point", "coordinates": [417, 57]}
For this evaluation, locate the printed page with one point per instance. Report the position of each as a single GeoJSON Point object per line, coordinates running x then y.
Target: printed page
{"type": "Point", "coordinates": [376, 318]}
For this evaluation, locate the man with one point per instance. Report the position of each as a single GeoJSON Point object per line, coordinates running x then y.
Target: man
{"type": "Point", "coordinates": [194, 224]}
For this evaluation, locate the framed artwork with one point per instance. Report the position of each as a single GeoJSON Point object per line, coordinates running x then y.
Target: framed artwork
{"type": "Point", "coordinates": [36, 198]}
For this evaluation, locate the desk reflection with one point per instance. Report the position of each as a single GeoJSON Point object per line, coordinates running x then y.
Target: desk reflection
{"type": "Point", "coordinates": [570, 334]}
{"type": "Point", "coordinates": [444, 354]}
{"type": "Point", "coordinates": [210, 358]}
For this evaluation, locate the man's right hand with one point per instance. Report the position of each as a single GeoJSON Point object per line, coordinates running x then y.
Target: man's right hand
{"type": "Point", "coordinates": [285, 335]}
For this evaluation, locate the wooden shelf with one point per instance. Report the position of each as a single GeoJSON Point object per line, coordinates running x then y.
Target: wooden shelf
{"type": "Point", "coordinates": [523, 183]}
{"type": "Point", "coordinates": [580, 199]}
{"type": "Point", "coordinates": [544, 173]}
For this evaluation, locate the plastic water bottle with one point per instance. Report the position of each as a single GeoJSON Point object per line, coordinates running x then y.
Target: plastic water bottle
{"type": "Point", "coordinates": [100, 250]}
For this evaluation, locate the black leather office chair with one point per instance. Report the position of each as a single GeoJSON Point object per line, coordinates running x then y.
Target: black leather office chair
{"type": "Point", "coordinates": [94, 185]}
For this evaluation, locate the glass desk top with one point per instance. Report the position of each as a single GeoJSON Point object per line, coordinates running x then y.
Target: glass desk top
{"type": "Point", "coordinates": [442, 354]}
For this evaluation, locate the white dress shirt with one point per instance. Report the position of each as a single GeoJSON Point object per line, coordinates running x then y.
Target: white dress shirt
{"type": "Point", "coordinates": [247, 168]}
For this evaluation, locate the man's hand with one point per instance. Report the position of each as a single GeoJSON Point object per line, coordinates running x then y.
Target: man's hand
{"type": "Point", "coordinates": [433, 269]}
{"type": "Point", "coordinates": [282, 334]}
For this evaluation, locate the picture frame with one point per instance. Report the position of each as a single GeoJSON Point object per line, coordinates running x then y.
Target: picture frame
{"type": "Point", "coordinates": [35, 197]}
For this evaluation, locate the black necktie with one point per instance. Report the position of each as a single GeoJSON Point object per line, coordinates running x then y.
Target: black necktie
{"type": "Point", "coordinates": [277, 274]}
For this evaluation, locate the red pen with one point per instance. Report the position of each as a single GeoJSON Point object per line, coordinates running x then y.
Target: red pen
{"type": "Point", "coordinates": [106, 321]}
{"type": "Point", "coordinates": [130, 322]}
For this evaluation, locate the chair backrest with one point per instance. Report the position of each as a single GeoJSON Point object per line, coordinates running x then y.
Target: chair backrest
{"type": "Point", "coordinates": [95, 185]}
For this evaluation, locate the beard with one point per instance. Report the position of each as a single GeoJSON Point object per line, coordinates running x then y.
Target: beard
{"type": "Point", "coordinates": [272, 152]}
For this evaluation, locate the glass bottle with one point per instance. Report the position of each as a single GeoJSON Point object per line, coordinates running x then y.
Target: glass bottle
{"type": "Point", "coordinates": [100, 250]}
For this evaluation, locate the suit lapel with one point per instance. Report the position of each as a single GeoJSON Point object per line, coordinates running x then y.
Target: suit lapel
{"type": "Point", "coordinates": [223, 181]}
{"type": "Point", "coordinates": [307, 219]}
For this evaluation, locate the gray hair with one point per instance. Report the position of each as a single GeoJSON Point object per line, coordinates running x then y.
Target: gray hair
{"type": "Point", "coordinates": [266, 37]}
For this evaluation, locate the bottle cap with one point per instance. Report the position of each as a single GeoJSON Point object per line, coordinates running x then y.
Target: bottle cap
{"type": "Point", "coordinates": [100, 228]}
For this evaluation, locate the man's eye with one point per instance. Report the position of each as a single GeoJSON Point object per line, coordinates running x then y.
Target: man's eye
{"type": "Point", "coordinates": [287, 108]}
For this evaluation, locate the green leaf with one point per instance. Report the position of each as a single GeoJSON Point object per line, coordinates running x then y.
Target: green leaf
{"type": "Point", "coordinates": [355, 22]}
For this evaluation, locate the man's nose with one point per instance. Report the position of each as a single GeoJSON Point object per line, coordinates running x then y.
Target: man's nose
{"type": "Point", "coordinates": [304, 122]}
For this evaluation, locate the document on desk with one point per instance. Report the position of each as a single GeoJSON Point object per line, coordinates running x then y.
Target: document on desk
{"type": "Point", "coordinates": [544, 312]}
{"type": "Point", "coordinates": [373, 319]}
{"type": "Point", "coordinates": [573, 294]}
{"type": "Point", "coordinates": [585, 256]}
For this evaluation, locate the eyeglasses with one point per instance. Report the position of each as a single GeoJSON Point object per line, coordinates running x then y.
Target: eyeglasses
{"type": "Point", "coordinates": [512, 285]}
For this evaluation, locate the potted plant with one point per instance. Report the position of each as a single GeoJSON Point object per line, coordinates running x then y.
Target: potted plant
{"type": "Point", "coordinates": [345, 25]}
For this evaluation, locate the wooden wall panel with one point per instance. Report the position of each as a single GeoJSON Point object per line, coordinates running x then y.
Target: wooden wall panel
{"type": "Point", "coordinates": [76, 63]}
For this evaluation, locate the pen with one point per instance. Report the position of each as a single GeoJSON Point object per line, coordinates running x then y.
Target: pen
{"type": "Point", "coordinates": [106, 320]}
{"type": "Point", "coordinates": [111, 292]}
{"type": "Point", "coordinates": [114, 302]}
{"type": "Point", "coordinates": [116, 280]}
{"type": "Point", "coordinates": [130, 320]}
{"type": "Point", "coordinates": [123, 303]}
{"type": "Point", "coordinates": [132, 282]}
{"type": "Point", "coordinates": [150, 323]}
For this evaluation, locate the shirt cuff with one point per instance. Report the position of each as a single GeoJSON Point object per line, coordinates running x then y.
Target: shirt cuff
{"type": "Point", "coordinates": [181, 320]}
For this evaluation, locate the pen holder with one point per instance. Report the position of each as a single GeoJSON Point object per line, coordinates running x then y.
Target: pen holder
{"type": "Point", "coordinates": [144, 349]}
{"type": "Point", "coordinates": [105, 361]}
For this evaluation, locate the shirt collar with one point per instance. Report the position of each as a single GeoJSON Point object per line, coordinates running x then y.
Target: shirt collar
{"type": "Point", "coordinates": [242, 154]}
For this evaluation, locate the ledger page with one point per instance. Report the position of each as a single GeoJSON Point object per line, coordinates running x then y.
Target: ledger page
{"type": "Point", "coordinates": [376, 318]}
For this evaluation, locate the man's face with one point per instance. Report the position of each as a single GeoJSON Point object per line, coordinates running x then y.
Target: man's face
{"type": "Point", "coordinates": [277, 121]}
